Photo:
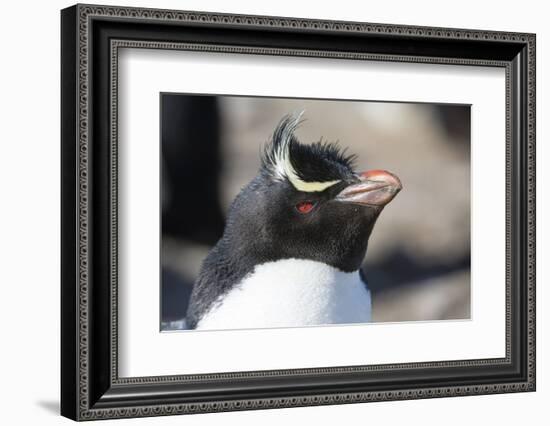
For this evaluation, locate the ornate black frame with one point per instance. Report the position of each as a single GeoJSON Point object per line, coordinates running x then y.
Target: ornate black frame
{"type": "Point", "coordinates": [91, 37]}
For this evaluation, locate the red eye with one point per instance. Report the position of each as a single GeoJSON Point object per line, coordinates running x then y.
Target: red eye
{"type": "Point", "coordinates": [305, 206]}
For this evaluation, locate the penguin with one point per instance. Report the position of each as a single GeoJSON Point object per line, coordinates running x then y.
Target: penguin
{"type": "Point", "coordinates": [294, 241]}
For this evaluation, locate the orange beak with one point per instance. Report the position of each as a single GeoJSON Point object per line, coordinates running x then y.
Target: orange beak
{"type": "Point", "coordinates": [375, 188]}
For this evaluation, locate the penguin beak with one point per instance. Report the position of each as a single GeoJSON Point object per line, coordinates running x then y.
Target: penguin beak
{"type": "Point", "coordinates": [375, 188]}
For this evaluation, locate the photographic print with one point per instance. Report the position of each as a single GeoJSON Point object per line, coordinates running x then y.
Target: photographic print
{"type": "Point", "coordinates": [282, 212]}
{"type": "Point", "coordinates": [346, 215]}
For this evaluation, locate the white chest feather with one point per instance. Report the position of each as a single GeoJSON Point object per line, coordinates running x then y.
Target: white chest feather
{"type": "Point", "coordinates": [291, 293]}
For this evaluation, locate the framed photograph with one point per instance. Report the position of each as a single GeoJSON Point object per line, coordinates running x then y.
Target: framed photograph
{"type": "Point", "coordinates": [263, 212]}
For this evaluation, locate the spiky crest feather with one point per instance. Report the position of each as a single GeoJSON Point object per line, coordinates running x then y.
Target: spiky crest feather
{"type": "Point", "coordinates": [309, 168]}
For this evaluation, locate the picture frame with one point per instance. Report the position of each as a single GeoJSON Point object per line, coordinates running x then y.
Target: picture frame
{"type": "Point", "coordinates": [91, 37]}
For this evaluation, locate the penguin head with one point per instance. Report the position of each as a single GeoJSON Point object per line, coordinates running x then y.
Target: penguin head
{"type": "Point", "coordinates": [307, 202]}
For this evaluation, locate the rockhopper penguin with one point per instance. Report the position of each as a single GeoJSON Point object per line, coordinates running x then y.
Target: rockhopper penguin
{"type": "Point", "coordinates": [294, 241]}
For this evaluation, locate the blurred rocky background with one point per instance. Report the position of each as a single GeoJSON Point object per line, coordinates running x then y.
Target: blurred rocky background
{"type": "Point", "coordinates": [418, 261]}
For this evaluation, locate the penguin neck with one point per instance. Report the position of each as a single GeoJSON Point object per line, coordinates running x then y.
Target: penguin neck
{"type": "Point", "coordinates": [243, 257]}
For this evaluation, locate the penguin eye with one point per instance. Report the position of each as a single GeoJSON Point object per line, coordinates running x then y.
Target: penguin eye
{"type": "Point", "coordinates": [305, 207]}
